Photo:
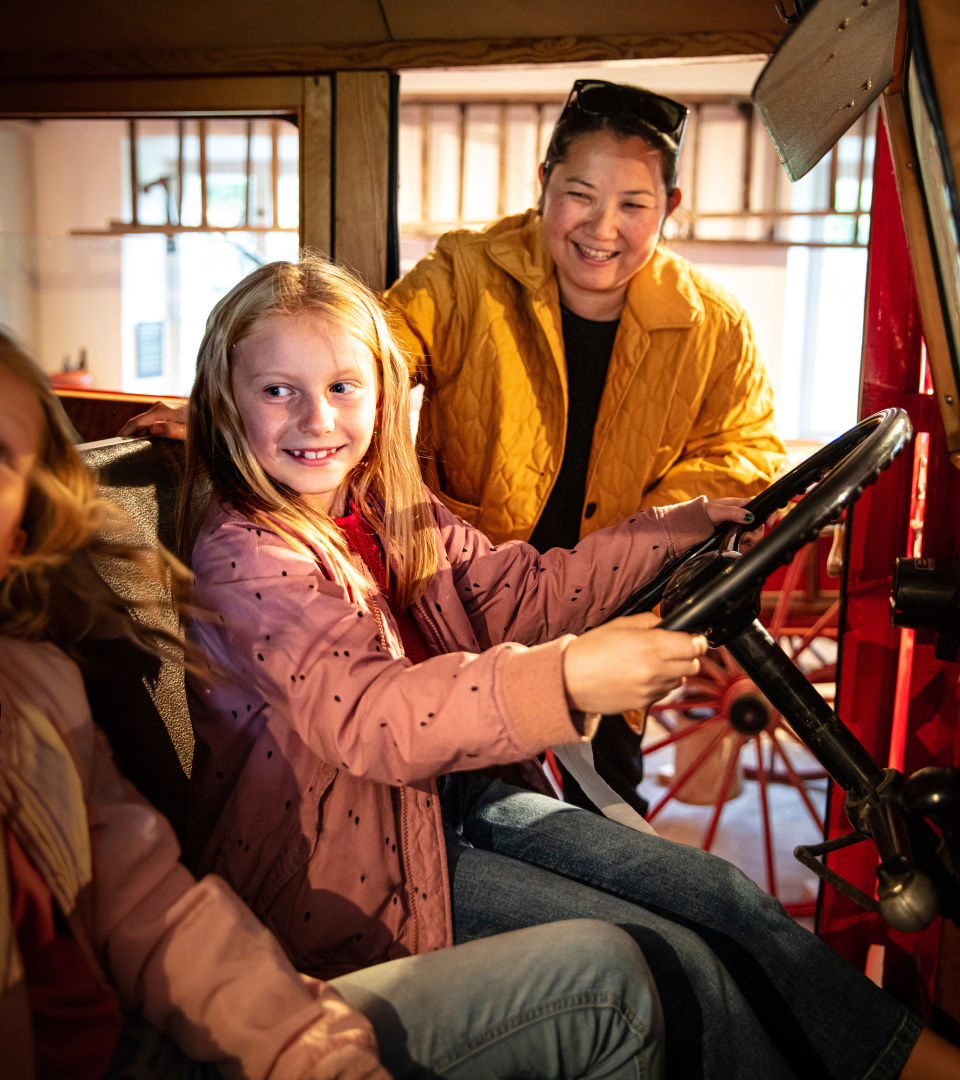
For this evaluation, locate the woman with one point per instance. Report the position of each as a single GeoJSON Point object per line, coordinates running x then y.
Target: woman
{"type": "Point", "coordinates": [573, 320]}
{"type": "Point", "coordinates": [575, 369]}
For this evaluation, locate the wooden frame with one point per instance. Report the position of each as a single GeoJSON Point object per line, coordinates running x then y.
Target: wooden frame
{"type": "Point", "coordinates": [928, 295]}
{"type": "Point", "coordinates": [346, 220]}
{"type": "Point", "coordinates": [382, 55]}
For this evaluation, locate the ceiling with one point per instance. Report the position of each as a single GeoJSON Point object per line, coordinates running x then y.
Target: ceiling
{"type": "Point", "coordinates": [114, 37]}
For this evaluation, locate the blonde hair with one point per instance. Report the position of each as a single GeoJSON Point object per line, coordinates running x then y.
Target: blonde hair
{"type": "Point", "coordinates": [385, 486]}
{"type": "Point", "coordinates": [52, 589]}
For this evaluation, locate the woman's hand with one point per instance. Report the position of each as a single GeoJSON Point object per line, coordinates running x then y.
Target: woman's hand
{"type": "Point", "coordinates": [167, 421]}
{"type": "Point", "coordinates": [625, 664]}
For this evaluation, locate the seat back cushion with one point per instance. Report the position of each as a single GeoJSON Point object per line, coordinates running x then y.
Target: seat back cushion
{"type": "Point", "coordinates": [140, 701]}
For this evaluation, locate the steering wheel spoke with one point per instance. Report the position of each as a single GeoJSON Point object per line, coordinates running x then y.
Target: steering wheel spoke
{"type": "Point", "coordinates": [710, 593]}
{"type": "Point", "coordinates": [813, 721]}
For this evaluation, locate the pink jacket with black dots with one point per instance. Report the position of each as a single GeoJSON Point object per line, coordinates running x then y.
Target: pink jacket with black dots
{"type": "Point", "coordinates": [186, 954]}
{"type": "Point", "coordinates": [314, 770]}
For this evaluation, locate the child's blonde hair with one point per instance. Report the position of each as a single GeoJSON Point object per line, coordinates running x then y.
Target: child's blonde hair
{"type": "Point", "coordinates": [385, 486]}
{"type": "Point", "coordinates": [52, 590]}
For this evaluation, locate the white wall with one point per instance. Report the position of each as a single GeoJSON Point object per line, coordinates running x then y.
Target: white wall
{"type": "Point", "coordinates": [18, 302]}
{"type": "Point", "coordinates": [79, 185]}
{"type": "Point", "coordinates": [757, 276]}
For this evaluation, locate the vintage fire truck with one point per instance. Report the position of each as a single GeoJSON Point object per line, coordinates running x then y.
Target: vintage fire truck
{"type": "Point", "coordinates": [889, 859]}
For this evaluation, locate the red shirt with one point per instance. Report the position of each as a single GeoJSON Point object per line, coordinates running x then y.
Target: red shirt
{"type": "Point", "coordinates": [362, 540]}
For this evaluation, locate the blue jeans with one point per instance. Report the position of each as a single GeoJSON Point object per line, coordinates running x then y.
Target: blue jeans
{"type": "Point", "coordinates": [539, 1004]}
{"type": "Point", "coordinates": [746, 992]}
{"type": "Point", "coordinates": [549, 1003]}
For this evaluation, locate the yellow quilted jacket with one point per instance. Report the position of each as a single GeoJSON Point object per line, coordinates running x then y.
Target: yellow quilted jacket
{"type": "Point", "coordinates": [687, 408]}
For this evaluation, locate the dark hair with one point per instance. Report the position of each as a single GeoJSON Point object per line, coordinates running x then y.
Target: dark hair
{"type": "Point", "coordinates": [623, 110]}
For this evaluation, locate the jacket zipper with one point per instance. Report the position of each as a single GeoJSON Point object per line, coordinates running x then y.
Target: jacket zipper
{"type": "Point", "coordinates": [411, 888]}
{"type": "Point", "coordinates": [426, 616]}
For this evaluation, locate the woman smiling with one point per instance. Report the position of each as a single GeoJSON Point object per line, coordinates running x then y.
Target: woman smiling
{"type": "Point", "coordinates": [577, 370]}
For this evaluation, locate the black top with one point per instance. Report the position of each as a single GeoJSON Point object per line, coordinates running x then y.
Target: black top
{"type": "Point", "coordinates": [587, 347]}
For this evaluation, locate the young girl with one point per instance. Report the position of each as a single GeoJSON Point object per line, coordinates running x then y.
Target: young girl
{"type": "Point", "coordinates": [378, 643]}
{"type": "Point", "coordinates": [91, 887]}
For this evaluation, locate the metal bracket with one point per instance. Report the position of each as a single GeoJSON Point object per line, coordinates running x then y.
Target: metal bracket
{"type": "Point", "coordinates": [810, 857]}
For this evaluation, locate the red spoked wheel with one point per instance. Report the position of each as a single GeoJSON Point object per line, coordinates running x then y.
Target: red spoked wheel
{"type": "Point", "coordinates": [726, 741]}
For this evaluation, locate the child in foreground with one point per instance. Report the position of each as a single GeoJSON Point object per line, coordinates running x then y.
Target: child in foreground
{"type": "Point", "coordinates": [110, 948]}
{"type": "Point", "coordinates": [393, 673]}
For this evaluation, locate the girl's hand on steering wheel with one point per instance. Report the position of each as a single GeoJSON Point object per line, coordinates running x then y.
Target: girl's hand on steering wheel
{"type": "Point", "coordinates": [626, 664]}
{"type": "Point", "coordinates": [732, 509]}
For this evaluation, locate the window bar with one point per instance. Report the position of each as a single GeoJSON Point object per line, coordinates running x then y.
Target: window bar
{"type": "Point", "coordinates": [249, 171]}
{"type": "Point", "coordinates": [862, 170]}
{"type": "Point", "coordinates": [202, 126]}
{"type": "Point", "coordinates": [425, 131]}
{"type": "Point", "coordinates": [180, 132]}
{"type": "Point", "coordinates": [502, 141]}
{"type": "Point", "coordinates": [694, 171]}
{"type": "Point", "coordinates": [834, 174]}
{"type": "Point", "coordinates": [134, 178]}
{"type": "Point", "coordinates": [775, 188]}
{"type": "Point", "coordinates": [275, 170]}
{"type": "Point", "coordinates": [541, 135]}
{"type": "Point", "coordinates": [462, 156]}
{"type": "Point", "coordinates": [746, 115]}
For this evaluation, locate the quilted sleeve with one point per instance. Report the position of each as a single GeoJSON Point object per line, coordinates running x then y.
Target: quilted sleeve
{"type": "Point", "coordinates": [426, 303]}
{"type": "Point", "coordinates": [428, 315]}
{"type": "Point", "coordinates": [733, 447]}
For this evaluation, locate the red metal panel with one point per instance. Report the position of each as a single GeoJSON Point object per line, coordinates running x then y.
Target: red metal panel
{"type": "Point", "coordinates": [894, 694]}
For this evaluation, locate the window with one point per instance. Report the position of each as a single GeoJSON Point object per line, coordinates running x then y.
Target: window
{"type": "Point", "coordinates": [118, 236]}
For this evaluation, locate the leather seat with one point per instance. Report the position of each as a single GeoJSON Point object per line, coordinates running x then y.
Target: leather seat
{"type": "Point", "coordinates": [140, 701]}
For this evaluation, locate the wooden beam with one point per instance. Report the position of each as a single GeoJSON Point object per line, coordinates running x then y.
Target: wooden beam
{"type": "Point", "coordinates": [316, 146]}
{"type": "Point", "coordinates": [386, 55]}
{"type": "Point", "coordinates": [362, 139]}
{"type": "Point", "coordinates": [278, 95]}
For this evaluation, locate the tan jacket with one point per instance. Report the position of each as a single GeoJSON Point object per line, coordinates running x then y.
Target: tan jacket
{"type": "Point", "coordinates": [188, 955]}
{"type": "Point", "coordinates": [687, 409]}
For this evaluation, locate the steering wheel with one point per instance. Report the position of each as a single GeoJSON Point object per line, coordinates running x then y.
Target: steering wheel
{"type": "Point", "coordinates": [714, 589]}
{"type": "Point", "coordinates": [838, 472]}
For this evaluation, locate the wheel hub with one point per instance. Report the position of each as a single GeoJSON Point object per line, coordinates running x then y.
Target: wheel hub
{"type": "Point", "coordinates": [747, 709]}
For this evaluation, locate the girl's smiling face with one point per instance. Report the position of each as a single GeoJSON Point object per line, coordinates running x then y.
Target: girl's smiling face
{"type": "Point", "coordinates": [307, 392]}
{"type": "Point", "coordinates": [21, 428]}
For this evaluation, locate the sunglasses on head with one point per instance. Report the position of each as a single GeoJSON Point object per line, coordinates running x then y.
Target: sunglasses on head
{"type": "Point", "coordinates": [594, 97]}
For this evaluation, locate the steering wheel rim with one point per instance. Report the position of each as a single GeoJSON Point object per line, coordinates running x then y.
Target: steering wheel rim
{"type": "Point", "coordinates": [838, 473]}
